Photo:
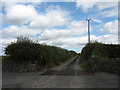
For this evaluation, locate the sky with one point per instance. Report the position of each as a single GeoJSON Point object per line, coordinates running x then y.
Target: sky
{"type": "Point", "coordinates": [62, 24]}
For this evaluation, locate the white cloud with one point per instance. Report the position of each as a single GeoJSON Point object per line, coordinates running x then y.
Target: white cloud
{"type": "Point", "coordinates": [104, 5]}
{"type": "Point", "coordinates": [97, 0]}
{"type": "Point", "coordinates": [5, 42]}
{"type": "Point", "coordinates": [53, 17]}
{"type": "Point", "coordinates": [1, 20]}
{"type": "Point", "coordinates": [78, 27]}
{"type": "Point", "coordinates": [108, 39]}
{"type": "Point", "coordinates": [14, 31]}
{"type": "Point", "coordinates": [96, 20]}
{"type": "Point", "coordinates": [98, 4]}
{"type": "Point", "coordinates": [110, 13]}
{"type": "Point", "coordinates": [74, 28]}
{"type": "Point", "coordinates": [110, 27]}
{"type": "Point", "coordinates": [68, 42]}
{"type": "Point", "coordinates": [37, 1]}
{"type": "Point", "coordinates": [52, 34]}
{"type": "Point", "coordinates": [0, 6]}
{"type": "Point", "coordinates": [85, 5]}
{"type": "Point", "coordinates": [20, 14]}
{"type": "Point", "coordinates": [8, 5]}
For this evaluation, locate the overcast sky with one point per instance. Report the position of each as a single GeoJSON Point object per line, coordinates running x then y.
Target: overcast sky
{"type": "Point", "coordinates": [62, 24]}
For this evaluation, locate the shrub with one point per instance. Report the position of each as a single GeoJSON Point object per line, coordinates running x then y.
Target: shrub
{"type": "Point", "coordinates": [23, 49]}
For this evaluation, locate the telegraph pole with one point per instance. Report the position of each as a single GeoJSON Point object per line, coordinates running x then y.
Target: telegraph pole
{"type": "Point", "coordinates": [88, 30]}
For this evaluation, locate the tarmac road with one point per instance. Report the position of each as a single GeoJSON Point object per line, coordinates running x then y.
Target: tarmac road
{"type": "Point", "coordinates": [68, 75]}
{"type": "Point", "coordinates": [0, 73]}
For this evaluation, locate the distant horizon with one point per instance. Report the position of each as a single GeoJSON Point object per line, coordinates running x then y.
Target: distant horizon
{"type": "Point", "coordinates": [62, 24]}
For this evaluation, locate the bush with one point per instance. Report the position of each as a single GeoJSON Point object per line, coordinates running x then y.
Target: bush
{"type": "Point", "coordinates": [23, 49]}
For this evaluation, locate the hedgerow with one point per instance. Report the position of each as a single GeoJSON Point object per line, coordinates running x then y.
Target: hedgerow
{"type": "Point", "coordinates": [100, 57]}
{"type": "Point", "coordinates": [26, 51]}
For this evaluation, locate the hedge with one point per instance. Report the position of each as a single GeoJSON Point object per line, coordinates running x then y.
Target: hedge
{"type": "Point", "coordinates": [26, 51]}
{"type": "Point", "coordinates": [100, 57]}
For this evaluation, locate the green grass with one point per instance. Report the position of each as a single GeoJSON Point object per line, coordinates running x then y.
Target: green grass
{"type": "Point", "coordinates": [2, 57]}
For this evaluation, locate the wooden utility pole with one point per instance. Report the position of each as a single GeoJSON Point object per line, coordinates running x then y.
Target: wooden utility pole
{"type": "Point", "coordinates": [88, 30]}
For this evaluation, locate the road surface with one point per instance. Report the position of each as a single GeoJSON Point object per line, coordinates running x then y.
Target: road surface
{"type": "Point", "coordinates": [68, 75]}
{"type": "Point", "coordinates": [0, 73]}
